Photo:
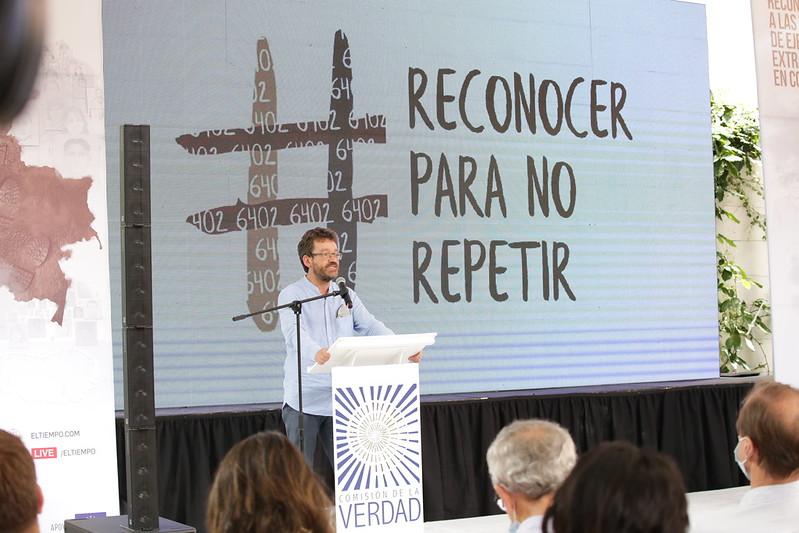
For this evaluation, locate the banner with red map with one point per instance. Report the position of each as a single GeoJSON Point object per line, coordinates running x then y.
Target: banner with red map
{"type": "Point", "coordinates": [56, 374]}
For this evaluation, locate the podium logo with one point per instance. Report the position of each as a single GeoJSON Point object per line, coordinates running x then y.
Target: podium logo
{"type": "Point", "coordinates": [44, 453]}
{"type": "Point", "coordinates": [379, 447]}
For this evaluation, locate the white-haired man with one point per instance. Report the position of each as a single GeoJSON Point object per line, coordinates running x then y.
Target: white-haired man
{"type": "Point", "coordinates": [528, 461]}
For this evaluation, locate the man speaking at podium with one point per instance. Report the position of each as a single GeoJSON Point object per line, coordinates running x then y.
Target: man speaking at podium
{"type": "Point", "coordinates": [322, 322]}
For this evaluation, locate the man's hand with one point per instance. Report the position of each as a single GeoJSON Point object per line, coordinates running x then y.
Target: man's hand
{"type": "Point", "coordinates": [322, 356]}
{"type": "Point", "coordinates": [415, 358]}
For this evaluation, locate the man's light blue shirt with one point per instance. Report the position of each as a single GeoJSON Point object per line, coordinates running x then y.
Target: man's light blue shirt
{"type": "Point", "coordinates": [319, 328]}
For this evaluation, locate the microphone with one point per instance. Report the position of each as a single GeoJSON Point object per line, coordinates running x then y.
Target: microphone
{"type": "Point", "coordinates": [344, 292]}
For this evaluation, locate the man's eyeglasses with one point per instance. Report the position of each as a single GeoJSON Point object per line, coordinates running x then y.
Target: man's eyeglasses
{"type": "Point", "coordinates": [329, 255]}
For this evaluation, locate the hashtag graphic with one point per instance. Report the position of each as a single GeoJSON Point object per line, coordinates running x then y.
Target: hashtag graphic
{"type": "Point", "coordinates": [262, 213]}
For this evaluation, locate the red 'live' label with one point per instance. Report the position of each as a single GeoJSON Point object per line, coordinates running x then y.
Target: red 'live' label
{"type": "Point", "coordinates": [44, 453]}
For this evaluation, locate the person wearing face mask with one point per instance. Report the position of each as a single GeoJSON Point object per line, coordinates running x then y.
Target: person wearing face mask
{"type": "Point", "coordinates": [528, 461]}
{"type": "Point", "coordinates": [768, 454]}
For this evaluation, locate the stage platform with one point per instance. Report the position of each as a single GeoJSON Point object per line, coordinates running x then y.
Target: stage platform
{"type": "Point", "coordinates": [693, 421]}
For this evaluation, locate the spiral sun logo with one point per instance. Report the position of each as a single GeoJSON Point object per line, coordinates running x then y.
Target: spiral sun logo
{"type": "Point", "coordinates": [377, 436]}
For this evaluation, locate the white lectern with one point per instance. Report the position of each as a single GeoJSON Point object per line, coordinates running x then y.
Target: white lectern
{"type": "Point", "coordinates": [376, 432]}
{"type": "Point", "coordinates": [373, 350]}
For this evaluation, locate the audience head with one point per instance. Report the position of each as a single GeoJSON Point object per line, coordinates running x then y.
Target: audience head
{"type": "Point", "coordinates": [618, 488]}
{"type": "Point", "coordinates": [768, 434]}
{"type": "Point", "coordinates": [263, 485]}
{"type": "Point", "coordinates": [20, 497]}
{"type": "Point", "coordinates": [527, 461]}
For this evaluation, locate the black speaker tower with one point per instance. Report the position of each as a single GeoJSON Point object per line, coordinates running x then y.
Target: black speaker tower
{"type": "Point", "coordinates": [141, 461]}
{"type": "Point", "coordinates": [137, 331]}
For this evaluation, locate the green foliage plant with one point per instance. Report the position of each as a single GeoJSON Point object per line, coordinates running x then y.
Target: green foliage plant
{"type": "Point", "coordinates": [736, 148]}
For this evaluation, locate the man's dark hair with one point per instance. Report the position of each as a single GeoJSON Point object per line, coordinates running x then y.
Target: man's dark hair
{"type": "Point", "coordinates": [618, 488]}
{"type": "Point", "coordinates": [19, 493]}
{"type": "Point", "coordinates": [770, 417]}
{"type": "Point", "coordinates": [305, 246]}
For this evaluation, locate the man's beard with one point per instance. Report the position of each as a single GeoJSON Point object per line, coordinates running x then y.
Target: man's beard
{"type": "Point", "coordinates": [322, 273]}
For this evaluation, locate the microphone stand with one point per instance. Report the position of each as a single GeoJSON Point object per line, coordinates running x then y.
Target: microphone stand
{"type": "Point", "coordinates": [295, 306]}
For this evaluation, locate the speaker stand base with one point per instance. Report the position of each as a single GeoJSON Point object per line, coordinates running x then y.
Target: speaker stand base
{"type": "Point", "coordinates": [119, 524]}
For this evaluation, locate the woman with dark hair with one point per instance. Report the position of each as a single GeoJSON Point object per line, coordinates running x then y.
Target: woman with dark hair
{"type": "Point", "coordinates": [263, 485]}
{"type": "Point", "coordinates": [618, 488]}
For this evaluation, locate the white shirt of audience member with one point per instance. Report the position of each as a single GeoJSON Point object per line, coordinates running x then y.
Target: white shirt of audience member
{"type": "Point", "coordinates": [770, 509]}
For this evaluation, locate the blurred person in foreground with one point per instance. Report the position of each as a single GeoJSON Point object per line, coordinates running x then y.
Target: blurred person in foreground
{"type": "Point", "coordinates": [618, 488]}
{"type": "Point", "coordinates": [528, 461]}
{"type": "Point", "coordinates": [21, 43]}
{"type": "Point", "coordinates": [20, 496]}
{"type": "Point", "coordinates": [768, 454]}
{"type": "Point", "coordinates": [263, 485]}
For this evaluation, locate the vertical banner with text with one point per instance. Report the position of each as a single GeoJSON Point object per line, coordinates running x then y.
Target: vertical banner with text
{"type": "Point", "coordinates": [56, 375]}
{"type": "Point", "coordinates": [378, 454]}
{"type": "Point", "coordinates": [775, 24]}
